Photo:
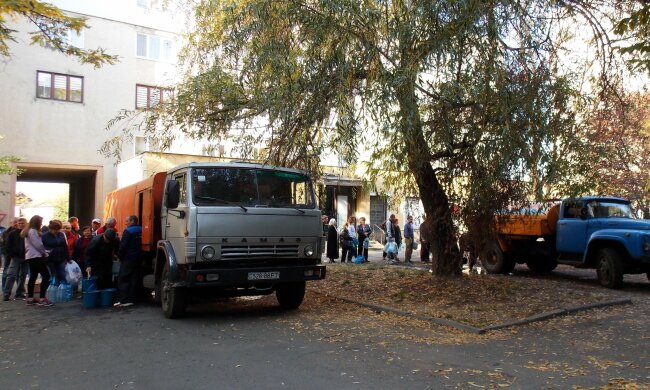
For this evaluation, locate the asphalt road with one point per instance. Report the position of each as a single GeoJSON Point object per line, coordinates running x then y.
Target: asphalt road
{"type": "Point", "coordinates": [254, 345]}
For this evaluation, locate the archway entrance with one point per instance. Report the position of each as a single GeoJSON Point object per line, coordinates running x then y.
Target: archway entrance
{"type": "Point", "coordinates": [82, 181]}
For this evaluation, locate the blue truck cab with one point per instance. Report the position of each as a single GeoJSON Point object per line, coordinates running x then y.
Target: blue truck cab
{"type": "Point", "coordinates": [605, 234]}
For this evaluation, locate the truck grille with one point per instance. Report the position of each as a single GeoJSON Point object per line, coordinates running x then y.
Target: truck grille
{"type": "Point", "coordinates": [257, 251]}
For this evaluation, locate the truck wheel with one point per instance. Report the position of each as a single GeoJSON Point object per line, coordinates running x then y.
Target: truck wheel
{"type": "Point", "coordinates": [610, 268]}
{"type": "Point", "coordinates": [495, 262]}
{"type": "Point", "coordinates": [541, 264]}
{"type": "Point", "coordinates": [290, 295]}
{"type": "Point", "coordinates": [509, 264]}
{"type": "Point", "coordinates": [174, 299]}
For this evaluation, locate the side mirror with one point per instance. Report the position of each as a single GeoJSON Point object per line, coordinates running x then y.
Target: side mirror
{"type": "Point", "coordinates": [172, 194]}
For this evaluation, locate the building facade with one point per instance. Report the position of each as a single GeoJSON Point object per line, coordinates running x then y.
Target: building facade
{"type": "Point", "coordinates": [54, 111]}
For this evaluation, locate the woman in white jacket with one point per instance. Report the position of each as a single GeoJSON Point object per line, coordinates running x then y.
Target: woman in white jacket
{"type": "Point", "coordinates": [36, 255]}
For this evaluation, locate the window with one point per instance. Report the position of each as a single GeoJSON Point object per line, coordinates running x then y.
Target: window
{"type": "Point", "coordinates": [248, 187]}
{"type": "Point", "coordinates": [67, 36]}
{"type": "Point", "coordinates": [572, 209]}
{"type": "Point", "coordinates": [59, 86]}
{"type": "Point", "coordinates": [609, 209]}
{"type": "Point", "coordinates": [154, 48]}
{"type": "Point", "coordinates": [75, 39]}
{"type": "Point", "coordinates": [183, 187]}
{"type": "Point", "coordinates": [147, 96]}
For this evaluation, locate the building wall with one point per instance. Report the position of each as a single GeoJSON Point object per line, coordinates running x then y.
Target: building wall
{"type": "Point", "coordinates": [44, 132]}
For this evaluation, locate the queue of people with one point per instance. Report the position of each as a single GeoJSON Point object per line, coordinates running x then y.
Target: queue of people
{"type": "Point", "coordinates": [353, 240]}
{"type": "Point", "coordinates": [34, 250]}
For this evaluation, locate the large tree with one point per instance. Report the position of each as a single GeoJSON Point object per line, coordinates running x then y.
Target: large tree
{"type": "Point", "coordinates": [466, 102]}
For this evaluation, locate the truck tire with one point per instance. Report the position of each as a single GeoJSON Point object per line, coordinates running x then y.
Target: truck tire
{"type": "Point", "coordinates": [173, 299]}
{"type": "Point", "coordinates": [541, 264]}
{"type": "Point", "coordinates": [509, 264]}
{"type": "Point", "coordinates": [290, 295]}
{"type": "Point", "coordinates": [610, 268]}
{"type": "Point", "coordinates": [495, 262]}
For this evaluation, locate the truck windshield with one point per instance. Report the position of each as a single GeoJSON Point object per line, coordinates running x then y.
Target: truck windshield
{"type": "Point", "coordinates": [251, 187]}
{"type": "Point", "coordinates": [607, 209]}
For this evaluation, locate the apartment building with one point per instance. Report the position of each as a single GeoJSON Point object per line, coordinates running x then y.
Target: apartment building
{"type": "Point", "coordinates": [54, 111]}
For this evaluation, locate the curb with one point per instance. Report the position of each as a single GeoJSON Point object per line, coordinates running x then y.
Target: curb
{"type": "Point", "coordinates": [472, 329]}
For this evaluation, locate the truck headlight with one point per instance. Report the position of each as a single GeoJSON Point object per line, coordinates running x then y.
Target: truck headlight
{"type": "Point", "coordinates": [208, 252]}
{"type": "Point", "coordinates": [309, 250]}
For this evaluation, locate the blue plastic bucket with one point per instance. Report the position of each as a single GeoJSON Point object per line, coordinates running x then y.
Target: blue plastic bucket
{"type": "Point", "coordinates": [89, 284]}
{"type": "Point", "coordinates": [106, 297]}
{"type": "Point", "coordinates": [90, 299]}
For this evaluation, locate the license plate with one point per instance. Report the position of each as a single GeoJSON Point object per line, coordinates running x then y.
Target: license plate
{"type": "Point", "coordinates": [263, 275]}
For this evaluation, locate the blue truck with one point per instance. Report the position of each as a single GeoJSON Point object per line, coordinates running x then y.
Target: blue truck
{"type": "Point", "coordinates": [597, 232]}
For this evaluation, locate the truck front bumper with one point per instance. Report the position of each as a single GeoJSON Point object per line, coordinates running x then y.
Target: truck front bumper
{"type": "Point", "coordinates": [237, 277]}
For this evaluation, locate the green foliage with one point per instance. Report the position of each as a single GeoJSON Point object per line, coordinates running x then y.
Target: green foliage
{"type": "Point", "coordinates": [52, 26]}
{"type": "Point", "coordinates": [61, 207]}
{"type": "Point", "coordinates": [6, 162]}
{"type": "Point", "coordinates": [465, 102]}
{"type": "Point", "coordinates": [635, 28]}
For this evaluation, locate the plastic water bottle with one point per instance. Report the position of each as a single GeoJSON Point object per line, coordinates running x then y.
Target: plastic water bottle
{"type": "Point", "coordinates": [52, 290]}
{"type": "Point", "coordinates": [50, 293]}
{"type": "Point", "coordinates": [68, 292]}
{"type": "Point", "coordinates": [59, 293]}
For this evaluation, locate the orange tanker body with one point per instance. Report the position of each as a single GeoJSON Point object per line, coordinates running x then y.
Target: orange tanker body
{"type": "Point", "coordinates": [143, 199]}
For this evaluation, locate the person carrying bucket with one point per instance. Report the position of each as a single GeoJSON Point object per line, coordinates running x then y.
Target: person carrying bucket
{"type": "Point", "coordinates": [99, 258]}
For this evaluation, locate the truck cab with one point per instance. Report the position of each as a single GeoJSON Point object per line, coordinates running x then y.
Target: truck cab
{"type": "Point", "coordinates": [236, 229]}
{"type": "Point", "coordinates": [603, 233]}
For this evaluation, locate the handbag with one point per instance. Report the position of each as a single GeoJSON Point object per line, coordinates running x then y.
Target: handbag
{"type": "Point", "coordinates": [415, 245]}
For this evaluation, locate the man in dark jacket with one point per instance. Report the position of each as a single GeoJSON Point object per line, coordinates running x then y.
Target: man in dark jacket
{"type": "Point", "coordinates": [17, 270]}
{"type": "Point", "coordinates": [130, 254]}
{"type": "Point", "coordinates": [99, 257]}
{"type": "Point", "coordinates": [6, 260]}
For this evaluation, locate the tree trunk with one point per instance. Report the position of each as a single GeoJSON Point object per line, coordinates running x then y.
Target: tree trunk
{"type": "Point", "coordinates": [446, 258]}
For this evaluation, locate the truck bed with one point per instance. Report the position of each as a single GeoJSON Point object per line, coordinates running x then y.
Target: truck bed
{"type": "Point", "coordinates": [526, 226]}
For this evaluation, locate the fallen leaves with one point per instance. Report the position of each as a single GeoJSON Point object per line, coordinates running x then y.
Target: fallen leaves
{"type": "Point", "coordinates": [471, 299]}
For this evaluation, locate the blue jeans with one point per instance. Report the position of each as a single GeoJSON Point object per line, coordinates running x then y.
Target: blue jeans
{"type": "Point", "coordinates": [5, 268]}
{"type": "Point", "coordinates": [16, 273]}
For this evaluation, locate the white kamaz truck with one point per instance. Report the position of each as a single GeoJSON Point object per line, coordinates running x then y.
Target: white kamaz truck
{"type": "Point", "coordinates": [213, 230]}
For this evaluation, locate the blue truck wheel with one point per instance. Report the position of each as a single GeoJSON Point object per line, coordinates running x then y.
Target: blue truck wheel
{"type": "Point", "coordinates": [610, 268]}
